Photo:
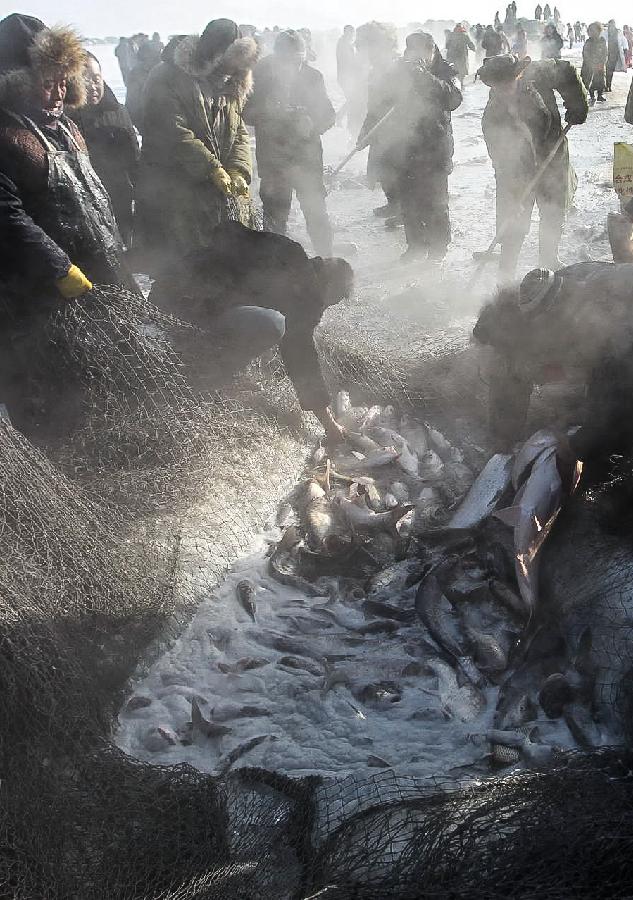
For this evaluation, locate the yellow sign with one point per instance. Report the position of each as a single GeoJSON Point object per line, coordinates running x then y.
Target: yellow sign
{"type": "Point", "coordinates": [623, 169]}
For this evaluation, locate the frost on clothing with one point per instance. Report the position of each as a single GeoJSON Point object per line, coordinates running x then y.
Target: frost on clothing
{"type": "Point", "coordinates": [192, 125]}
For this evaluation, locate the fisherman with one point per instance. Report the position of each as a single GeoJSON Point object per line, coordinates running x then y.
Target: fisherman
{"type": "Point", "coordinates": [147, 57]}
{"type": "Point", "coordinates": [547, 12]}
{"type": "Point", "coordinates": [538, 12]}
{"type": "Point", "coordinates": [126, 56]}
{"type": "Point", "coordinates": [495, 42]}
{"type": "Point", "coordinates": [348, 75]}
{"type": "Point", "coordinates": [290, 111]}
{"type": "Point", "coordinates": [551, 43]}
{"type": "Point", "coordinates": [615, 58]}
{"type": "Point", "coordinates": [377, 42]}
{"type": "Point", "coordinates": [286, 293]}
{"type": "Point", "coordinates": [574, 325]}
{"type": "Point", "coordinates": [58, 233]}
{"type": "Point", "coordinates": [196, 152]}
{"type": "Point", "coordinates": [56, 218]}
{"type": "Point", "coordinates": [520, 46]}
{"type": "Point", "coordinates": [457, 46]}
{"type": "Point", "coordinates": [594, 60]}
{"type": "Point", "coordinates": [425, 93]}
{"type": "Point", "coordinates": [521, 126]}
{"type": "Point", "coordinates": [112, 143]}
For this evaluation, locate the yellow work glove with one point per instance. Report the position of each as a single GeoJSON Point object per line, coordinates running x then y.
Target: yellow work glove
{"type": "Point", "coordinates": [238, 183]}
{"type": "Point", "coordinates": [222, 180]}
{"type": "Point", "coordinates": [73, 284]}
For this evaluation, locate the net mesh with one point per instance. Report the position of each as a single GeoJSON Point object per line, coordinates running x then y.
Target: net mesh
{"type": "Point", "coordinates": [107, 540]}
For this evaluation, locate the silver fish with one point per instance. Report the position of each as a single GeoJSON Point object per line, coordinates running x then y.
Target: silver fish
{"type": "Point", "coordinates": [407, 459]}
{"type": "Point", "coordinates": [464, 703]}
{"type": "Point", "coordinates": [431, 466]}
{"type": "Point", "coordinates": [247, 594]}
{"type": "Point", "coordinates": [300, 665]}
{"type": "Point", "coordinates": [489, 655]}
{"type": "Point", "coordinates": [378, 459]}
{"type": "Point", "coordinates": [438, 443]}
{"type": "Point", "coordinates": [395, 579]}
{"type": "Point", "coordinates": [545, 439]}
{"type": "Point", "coordinates": [318, 514]}
{"type": "Point", "coordinates": [427, 507]}
{"type": "Point", "coordinates": [485, 493]}
{"type": "Point", "coordinates": [508, 598]}
{"type": "Point", "coordinates": [536, 509]}
{"type": "Point", "coordinates": [361, 442]}
{"type": "Point", "coordinates": [283, 567]}
{"type": "Point", "coordinates": [436, 612]}
{"type": "Point", "coordinates": [366, 521]}
{"type": "Point", "coordinates": [246, 664]}
{"type": "Point", "coordinates": [204, 726]}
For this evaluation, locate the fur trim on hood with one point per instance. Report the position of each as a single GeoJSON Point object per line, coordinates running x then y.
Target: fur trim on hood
{"type": "Point", "coordinates": [229, 75]}
{"type": "Point", "coordinates": [53, 50]}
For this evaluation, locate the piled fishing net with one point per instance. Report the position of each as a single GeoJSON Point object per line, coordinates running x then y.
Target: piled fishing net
{"type": "Point", "coordinates": [156, 492]}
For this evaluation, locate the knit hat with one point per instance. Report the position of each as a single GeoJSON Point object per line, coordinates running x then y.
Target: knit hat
{"type": "Point", "coordinates": [17, 33]}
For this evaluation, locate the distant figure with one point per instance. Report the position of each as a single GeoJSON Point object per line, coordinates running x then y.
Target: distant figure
{"type": "Point", "coordinates": [578, 32]}
{"type": "Point", "coordinates": [547, 12]}
{"type": "Point", "coordinates": [147, 57]}
{"type": "Point", "coordinates": [349, 77]}
{"type": "Point", "coordinates": [520, 46]}
{"type": "Point", "coordinates": [538, 13]}
{"type": "Point", "coordinates": [557, 18]}
{"type": "Point", "coordinates": [551, 43]}
{"type": "Point", "coordinates": [497, 20]}
{"type": "Point", "coordinates": [477, 34]}
{"type": "Point", "coordinates": [594, 60]}
{"type": "Point", "coordinates": [457, 46]}
{"type": "Point", "coordinates": [615, 59]}
{"type": "Point", "coordinates": [126, 57]}
{"type": "Point", "coordinates": [112, 144]}
{"type": "Point", "coordinates": [570, 36]}
{"type": "Point", "coordinates": [495, 42]}
{"type": "Point", "coordinates": [290, 110]}
{"type": "Point", "coordinates": [628, 50]}
{"type": "Point", "coordinates": [157, 43]}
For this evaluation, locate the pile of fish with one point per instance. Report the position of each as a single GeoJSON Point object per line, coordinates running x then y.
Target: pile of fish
{"type": "Point", "coordinates": [397, 614]}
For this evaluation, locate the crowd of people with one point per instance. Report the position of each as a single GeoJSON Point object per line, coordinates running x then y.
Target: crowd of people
{"type": "Point", "coordinates": [86, 184]}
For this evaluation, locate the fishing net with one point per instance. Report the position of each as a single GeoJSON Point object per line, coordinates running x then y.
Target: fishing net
{"type": "Point", "coordinates": [108, 539]}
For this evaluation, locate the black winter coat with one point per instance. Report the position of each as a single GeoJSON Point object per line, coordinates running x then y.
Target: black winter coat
{"type": "Point", "coordinates": [261, 269]}
{"type": "Point", "coordinates": [114, 152]}
{"type": "Point", "coordinates": [424, 101]}
{"type": "Point", "coordinates": [289, 115]}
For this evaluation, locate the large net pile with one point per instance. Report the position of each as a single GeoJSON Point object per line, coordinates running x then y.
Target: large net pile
{"type": "Point", "coordinates": [158, 489]}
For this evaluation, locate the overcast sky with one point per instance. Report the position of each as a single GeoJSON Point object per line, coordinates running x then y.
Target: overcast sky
{"type": "Point", "coordinates": [115, 17]}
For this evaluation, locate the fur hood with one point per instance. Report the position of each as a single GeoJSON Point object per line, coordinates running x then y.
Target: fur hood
{"type": "Point", "coordinates": [53, 49]}
{"type": "Point", "coordinates": [229, 75]}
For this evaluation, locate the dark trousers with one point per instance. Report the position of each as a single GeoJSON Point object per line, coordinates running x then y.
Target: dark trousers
{"type": "Point", "coordinates": [424, 200]}
{"type": "Point", "coordinates": [276, 188]}
{"type": "Point", "coordinates": [611, 67]}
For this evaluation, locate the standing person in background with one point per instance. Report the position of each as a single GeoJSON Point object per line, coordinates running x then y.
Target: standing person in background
{"type": "Point", "coordinates": [497, 21]}
{"type": "Point", "coordinates": [457, 46]}
{"type": "Point", "coordinates": [147, 57]}
{"type": "Point", "coordinates": [628, 48]}
{"type": "Point", "coordinates": [290, 111]}
{"type": "Point", "coordinates": [578, 32]}
{"type": "Point", "coordinates": [126, 57]}
{"type": "Point", "coordinates": [538, 13]}
{"type": "Point", "coordinates": [557, 18]}
{"type": "Point", "coordinates": [615, 58]}
{"type": "Point", "coordinates": [348, 75]}
{"type": "Point", "coordinates": [426, 95]}
{"type": "Point", "coordinates": [551, 43]}
{"type": "Point", "coordinates": [477, 34]}
{"type": "Point", "coordinates": [494, 41]}
{"type": "Point", "coordinates": [547, 12]}
{"type": "Point", "coordinates": [378, 41]}
{"type": "Point", "coordinates": [196, 152]}
{"type": "Point", "coordinates": [520, 46]}
{"type": "Point", "coordinates": [570, 36]}
{"type": "Point", "coordinates": [594, 60]}
{"type": "Point", "coordinates": [157, 43]}
{"type": "Point", "coordinates": [112, 144]}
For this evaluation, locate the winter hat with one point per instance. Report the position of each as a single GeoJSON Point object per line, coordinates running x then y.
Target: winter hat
{"type": "Point", "coordinates": [420, 40]}
{"type": "Point", "coordinates": [500, 69]}
{"type": "Point", "coordinates": [595, 29]}
{"type": "Point", "coordinates": [538, 290]}
{"type": "Point", "coordinates": [17, 33]}
{"type": "Point", "coordinates": [216, 39]}
{"type": "Point", "coordinates": [290, 43]}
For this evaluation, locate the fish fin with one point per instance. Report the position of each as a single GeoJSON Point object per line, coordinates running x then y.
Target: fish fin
{"type": "Point", "coordinates": [509, 516]}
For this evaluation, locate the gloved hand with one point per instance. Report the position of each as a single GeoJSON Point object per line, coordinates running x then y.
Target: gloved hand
{"type": "Point", "coordinates": [239, 185]}
{"type": "Point", "coordinates": [73, 284]}
{"type": "Point", "coordinates": [222, 180]}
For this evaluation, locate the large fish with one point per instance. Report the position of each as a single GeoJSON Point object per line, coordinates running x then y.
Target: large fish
{"type": "Point", "coordinates": [485, 494]}
{"type": "Point", "coordinates": [365, 521]}
{"type": "Point", "coordinates": [532, 517]}
{"type": "Point", "coordinates": [464, 702]}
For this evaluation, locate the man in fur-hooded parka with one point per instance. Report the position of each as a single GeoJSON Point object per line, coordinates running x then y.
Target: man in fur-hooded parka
{"type": "Point", "coordinates": [28, 52]}
{"type": "Point", "coordinates": [193, 134]}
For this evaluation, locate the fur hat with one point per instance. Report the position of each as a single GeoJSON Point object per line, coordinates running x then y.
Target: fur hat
{"type": "Point", "coordinates": [52, 50]}
{"type": "Point", "coordinates": [499, 69]}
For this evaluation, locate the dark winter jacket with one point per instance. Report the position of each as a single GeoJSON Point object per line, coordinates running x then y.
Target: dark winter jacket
{"type": "Point", "coordinates": [515, 129]}
{"type": "Point", "coordinates": [494, 43]}
{"type": "Point", "coordinates": [551, 46]}
{"type": "Point", "coordinates": [25, 249]}
{"type": "Point", "coordinates": [457, 46]}
{"type": "Point", "coordinates": [114, 152]}
{"type": "Point", "coordinates": [289, 115]}
{"type": "Point", "coordinates": [259, 269]}
{"type": "Point", "coordinates": [425, 99]}
{"type": "Point", "coordinates": [555, 76]}
{"type": "Point", "coordinates": [594, 53]}
{"type": "Point", "coordinates": [192, 124]}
